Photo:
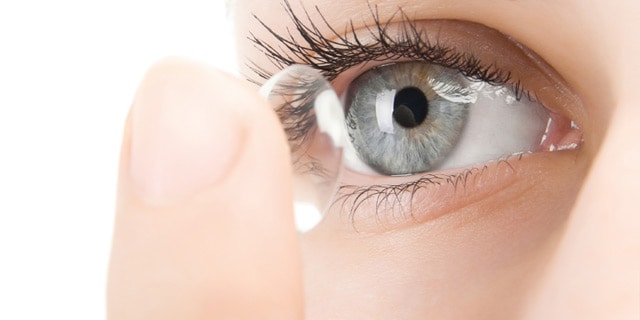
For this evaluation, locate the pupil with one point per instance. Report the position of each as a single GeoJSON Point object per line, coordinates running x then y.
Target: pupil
{"type": "Point", "coordinates": [410, 107]}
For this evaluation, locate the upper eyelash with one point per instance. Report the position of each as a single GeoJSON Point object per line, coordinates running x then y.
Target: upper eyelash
{"type": "Point", "coordinates": [333, 57]}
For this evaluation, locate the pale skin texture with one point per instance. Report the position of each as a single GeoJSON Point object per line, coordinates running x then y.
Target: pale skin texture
{"type": "Point", "coordinates": [204, 225]}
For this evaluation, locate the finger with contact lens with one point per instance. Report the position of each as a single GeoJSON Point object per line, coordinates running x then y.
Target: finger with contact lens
{"type": "Point", "coordinates": [203, 228]}
{"type": "Point", "coordinates": [313, 120]}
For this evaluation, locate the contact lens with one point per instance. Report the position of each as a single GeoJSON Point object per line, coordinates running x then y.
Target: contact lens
{"type": "Point", "coordinates": [313, 120]}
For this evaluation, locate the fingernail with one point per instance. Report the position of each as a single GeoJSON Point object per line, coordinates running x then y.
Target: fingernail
{"type": "Point", "coordinates": [184, 137]}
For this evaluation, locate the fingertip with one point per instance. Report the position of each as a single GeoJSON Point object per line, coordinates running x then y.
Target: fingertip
{"type": "Point", "coordinates": [204, 219]}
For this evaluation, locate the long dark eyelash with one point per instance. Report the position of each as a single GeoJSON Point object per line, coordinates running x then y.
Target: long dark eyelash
{"type": "Point", "coordinates": [297, 95]}
{"type": "Point", "coordinates": [332, 57]}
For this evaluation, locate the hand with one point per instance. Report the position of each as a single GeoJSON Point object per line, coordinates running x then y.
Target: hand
{"type": "Point", "coordinates": [204, 223]}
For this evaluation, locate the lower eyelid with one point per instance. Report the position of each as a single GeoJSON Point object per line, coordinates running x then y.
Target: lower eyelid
{"type": "Point", "coordinates": [406, 201]}
{"type": "Point", "coordinates": [380, 204]}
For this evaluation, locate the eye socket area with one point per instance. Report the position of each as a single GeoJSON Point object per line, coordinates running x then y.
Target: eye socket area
{"type": "Point", "coordinates": [473, 49]}
{"type": "Point", "coordinates": [550, 108]}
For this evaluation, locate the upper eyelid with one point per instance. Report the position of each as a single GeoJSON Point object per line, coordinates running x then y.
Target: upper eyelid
{"type": "Point", "coordinates": [399, 200]}
{"type": "Point", "coordinates": [335, 53]}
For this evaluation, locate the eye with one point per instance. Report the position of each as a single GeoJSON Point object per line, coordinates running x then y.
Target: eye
{"type": "Point", "coordinates": [412, 117]}
{"type": "Point", "coordinates": [440, 114]}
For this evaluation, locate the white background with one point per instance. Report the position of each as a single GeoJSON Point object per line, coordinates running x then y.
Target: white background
{"type": "Point", "coordinates": [68, 72]}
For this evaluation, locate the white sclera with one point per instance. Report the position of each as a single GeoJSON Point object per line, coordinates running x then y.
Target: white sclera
{"type": "Point", "coordinates": [313, 119]}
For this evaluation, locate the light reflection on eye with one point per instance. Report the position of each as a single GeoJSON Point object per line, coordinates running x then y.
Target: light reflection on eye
{"type": "Point", "coordinates": [413, 117]}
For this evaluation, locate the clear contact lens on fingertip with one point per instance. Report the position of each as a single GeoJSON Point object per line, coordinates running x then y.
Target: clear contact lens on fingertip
{"type": "Point", "coordinates": [313, 120]}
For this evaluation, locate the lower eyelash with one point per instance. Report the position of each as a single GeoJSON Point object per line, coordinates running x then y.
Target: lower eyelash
{"type": "Point", "coordinates": [390, 198]}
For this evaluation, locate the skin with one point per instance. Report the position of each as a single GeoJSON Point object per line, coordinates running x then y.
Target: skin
{"type": "Point", "coordinates": [202, 231]}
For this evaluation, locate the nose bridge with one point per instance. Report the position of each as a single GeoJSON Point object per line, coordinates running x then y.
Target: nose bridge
{"type": "Point", "coordinates": [597, 261]}
{"type": "Point", "coordinates": [613, 181]}
{"type": "Point", "coordinates": [626, 55]}
{"type": "Point", "coordinates": [617, 162]}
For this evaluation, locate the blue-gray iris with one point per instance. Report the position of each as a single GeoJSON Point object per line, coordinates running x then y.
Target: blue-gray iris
{"type": "Point", "coordinates": [405, 118]}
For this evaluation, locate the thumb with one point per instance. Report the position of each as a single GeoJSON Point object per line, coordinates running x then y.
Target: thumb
{"type": "Point", "coordinates": [204, 223]}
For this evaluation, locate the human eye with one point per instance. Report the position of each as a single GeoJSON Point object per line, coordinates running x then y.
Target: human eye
{"type": "Point", "coordinates": [440, 114]}
{"type": "Point", "coordinates": [415, 117]}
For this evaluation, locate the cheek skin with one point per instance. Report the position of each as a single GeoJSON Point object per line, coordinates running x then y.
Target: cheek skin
{"type": "Point", "coordinates": [481, 258]}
